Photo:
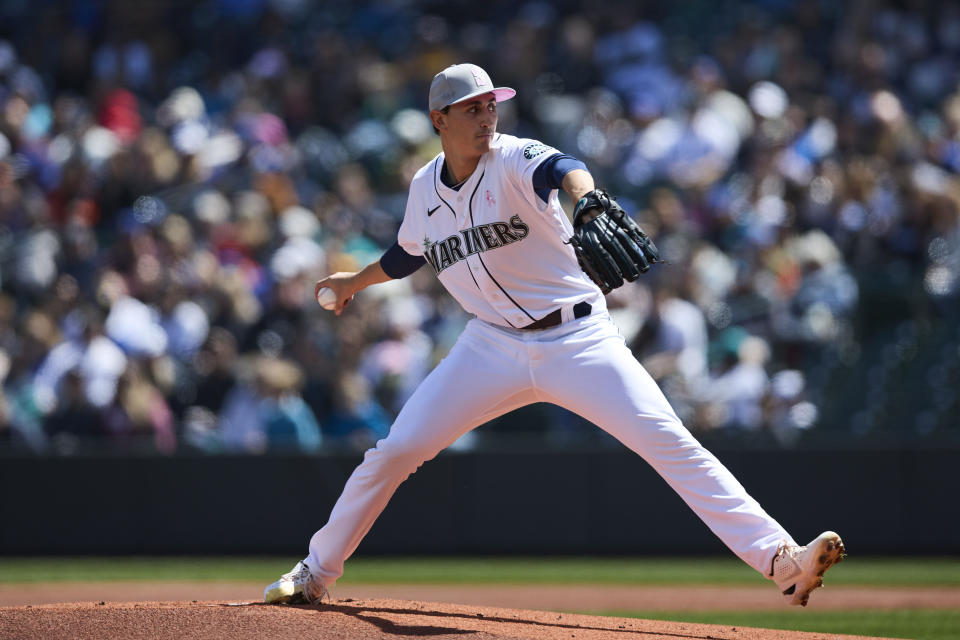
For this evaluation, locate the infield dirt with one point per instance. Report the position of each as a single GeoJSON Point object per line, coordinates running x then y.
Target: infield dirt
{"type": "Point", "coordinates": [174, 610]}
{"type": "Point", "coordinates": [348, 618]}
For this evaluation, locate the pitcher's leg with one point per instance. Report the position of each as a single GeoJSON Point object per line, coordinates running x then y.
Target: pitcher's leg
{"type": "Point", "coordinates": [475, 383]}
{"type": "Point", "coordinates": [606, 385]}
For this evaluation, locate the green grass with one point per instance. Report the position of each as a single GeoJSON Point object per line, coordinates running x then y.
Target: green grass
{"type": "Point", "coordinates": [920, 624]}
{"type": "Point", "coordinates": [638, 571]}
{"type": "Point", "coordinates": [492, 570]}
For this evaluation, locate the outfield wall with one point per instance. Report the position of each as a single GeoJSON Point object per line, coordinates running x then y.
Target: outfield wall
{"type": "Point", "coordinates": [883, 501]}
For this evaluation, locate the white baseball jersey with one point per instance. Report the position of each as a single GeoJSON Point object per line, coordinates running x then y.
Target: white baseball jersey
{"type": "Point", "coordinates": [496, 246]}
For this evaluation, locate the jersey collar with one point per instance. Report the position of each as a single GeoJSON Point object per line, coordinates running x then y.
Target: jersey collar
{"type": "Point", "coordinates": [438, 169]}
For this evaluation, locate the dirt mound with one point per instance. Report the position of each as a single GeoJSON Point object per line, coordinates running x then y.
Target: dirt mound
{"type": "Point", "coordinates": [551, 597]}
{"type": "Point", "coordinates": [347, 618]}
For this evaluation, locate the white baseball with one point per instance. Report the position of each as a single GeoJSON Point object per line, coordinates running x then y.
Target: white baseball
{"type": "Point", "coordinates": [327, 298]}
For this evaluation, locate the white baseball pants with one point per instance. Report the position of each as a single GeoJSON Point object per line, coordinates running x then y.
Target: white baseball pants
{"type": "Point", "coordinates": [582, 365]}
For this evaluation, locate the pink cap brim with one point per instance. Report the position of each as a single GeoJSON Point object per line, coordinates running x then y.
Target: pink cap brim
{"type": "Point", "coordinates": [500, 93]}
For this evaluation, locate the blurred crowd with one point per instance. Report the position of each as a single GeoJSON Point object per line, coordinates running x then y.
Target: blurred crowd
{"type": "Point", "coordinates": [174, 177]}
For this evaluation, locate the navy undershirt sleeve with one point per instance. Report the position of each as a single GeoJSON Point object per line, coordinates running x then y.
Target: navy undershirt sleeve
{"type": "Point", "coordinates": [397, 263]}
{"type": "Point", "coordinates": [549, 174]}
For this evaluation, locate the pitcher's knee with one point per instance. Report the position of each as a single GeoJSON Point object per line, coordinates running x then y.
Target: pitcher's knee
{"type": "Point", "coordinates": [396, 455]}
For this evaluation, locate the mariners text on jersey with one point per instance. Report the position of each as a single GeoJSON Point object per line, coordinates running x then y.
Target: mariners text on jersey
{"type": "Point", "coordinates": [478, 239]}
{"type": "Point", "coordinates": [495, 235]}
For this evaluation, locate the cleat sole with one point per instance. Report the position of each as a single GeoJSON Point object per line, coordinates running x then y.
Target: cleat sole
{"type": "Point", "coordinates": [810, 563]}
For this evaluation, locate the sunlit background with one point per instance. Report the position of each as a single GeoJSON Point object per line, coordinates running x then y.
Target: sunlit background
{"type": "Point", "coordinates": [174, 177]}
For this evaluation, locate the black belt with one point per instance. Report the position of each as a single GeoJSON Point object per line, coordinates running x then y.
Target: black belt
{"type": "Point", "coordinates": [552, 319]}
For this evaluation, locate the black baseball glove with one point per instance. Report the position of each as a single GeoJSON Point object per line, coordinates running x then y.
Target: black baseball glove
{"type": "Point", "coordinates": [610, 247]}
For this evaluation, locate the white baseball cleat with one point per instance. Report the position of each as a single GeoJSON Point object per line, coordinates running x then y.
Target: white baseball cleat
{"type": "Point", "coordinates": [296, 587]}
{"type": "Point", "coordinates": [799, 570]}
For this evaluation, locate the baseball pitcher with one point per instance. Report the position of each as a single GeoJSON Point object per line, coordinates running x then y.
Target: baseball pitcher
{"type": "Point", "coordinates": [485, 216]}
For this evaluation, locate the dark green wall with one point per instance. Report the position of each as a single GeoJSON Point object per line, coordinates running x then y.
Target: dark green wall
{"type": "Point", "coordinates": [890, 500]}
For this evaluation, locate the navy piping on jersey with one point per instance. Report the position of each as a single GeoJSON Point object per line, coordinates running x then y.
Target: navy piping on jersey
{"type": "Point", "coordinates": [435, 178]}
{"type": "Point", "coordinates": [470, 271]}
{"type": "Point", "coordinates": [484, 264]}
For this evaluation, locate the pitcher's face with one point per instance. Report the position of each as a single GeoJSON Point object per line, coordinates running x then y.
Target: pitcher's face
{"type": "Point", "coordinates": [468, 127]}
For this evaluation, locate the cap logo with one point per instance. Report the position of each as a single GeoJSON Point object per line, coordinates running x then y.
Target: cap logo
{"type": "Point", "coordinates": [479, 75]}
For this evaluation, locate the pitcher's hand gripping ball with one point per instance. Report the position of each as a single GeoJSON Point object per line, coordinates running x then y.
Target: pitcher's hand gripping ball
{"type": "Point", "coordinates": [327, 298]}
{"type": "Point", "coordinates": [610, 247]}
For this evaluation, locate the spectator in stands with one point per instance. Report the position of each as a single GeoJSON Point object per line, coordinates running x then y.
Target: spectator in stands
{"type": "Point", "coordinates": [188, 189]}
{"type": "Point", "coordinates": [356, 420]}
{"type": "Point", "coordinates": [265, 412]}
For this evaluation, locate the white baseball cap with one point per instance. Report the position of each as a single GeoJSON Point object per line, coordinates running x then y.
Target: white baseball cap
{"type": "Point", "coordinates": [460, 82]}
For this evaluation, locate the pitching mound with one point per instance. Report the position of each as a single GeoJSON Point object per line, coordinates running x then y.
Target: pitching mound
{"type": "Point", "coordinates": [352, 619]}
